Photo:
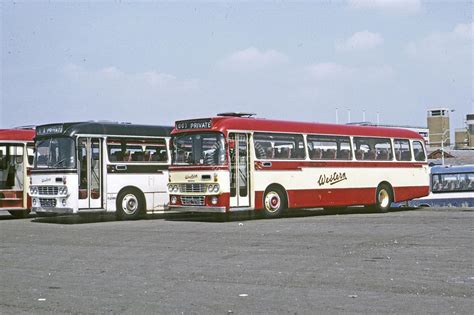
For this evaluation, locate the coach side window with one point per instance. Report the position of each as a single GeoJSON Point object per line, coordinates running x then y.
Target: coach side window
{"type": "Point", "coordinates": [278, 146]}
{"type": "Point", "coordinates": [418, 151]}
{"type": "Point", "coordinates": [373, 149]}
{"type": "Point", "coordinates": [402, 150]}
{"type": "Point", "coordinates": [130, 150]}
{"type": "Point", "coordinates": [329, 147]}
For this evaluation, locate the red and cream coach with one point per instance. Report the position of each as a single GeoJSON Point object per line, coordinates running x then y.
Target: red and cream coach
{"type": "Point", "coordinates": [235, 162]}
{"type": "Point", "coordinates": [16, 159]}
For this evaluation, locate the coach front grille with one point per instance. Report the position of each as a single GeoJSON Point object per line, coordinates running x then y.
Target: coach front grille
{"type": "Point", "coordinates": [192, 188]}
{"type": "Point", "coordinates": [48, 190]}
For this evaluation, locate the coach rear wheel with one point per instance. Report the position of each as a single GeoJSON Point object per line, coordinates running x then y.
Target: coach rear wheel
{"type": "Point", "coordinates": [130, 204]}
{"type": "Point", "coordinates": [274, 203]}
{"type": "Point", "coordinates": [383, 198]}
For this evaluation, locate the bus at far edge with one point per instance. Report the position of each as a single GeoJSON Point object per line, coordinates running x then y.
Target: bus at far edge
{"type": "Point", "coordinates": [234, 162]}
{"type": "Point", "coordinates": [96, 167]}
{"type": "Point", "coordinates": [16, 159]}
{"type": "Point", "coordinates": [451, 186]}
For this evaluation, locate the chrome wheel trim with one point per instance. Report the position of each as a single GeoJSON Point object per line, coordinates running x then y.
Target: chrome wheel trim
{"type": "Point", "coordinates": [272, 202]}
{"type": "Point", "coordinates": [129, 204]}
{"type": "Point", "coordinates": [383, 198]}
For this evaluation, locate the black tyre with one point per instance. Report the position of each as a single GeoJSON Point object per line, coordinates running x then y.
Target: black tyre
{"type": "Point", "coordinates": [19, 214]}
{"type": "Point", "coordinates": [274, 202]}
{"type": "Point", "coordinates": [130, 204]}
{"type": "Point", "coordinates": [223, 217]}
{"type": "Point", "coordinates": [335, 209]}
{"type": "Point", "coordinates": [383, 198]}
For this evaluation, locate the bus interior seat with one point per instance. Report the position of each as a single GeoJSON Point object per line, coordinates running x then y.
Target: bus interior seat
{"type": "Point", "coordinates": [383, 155]}
{"type": "Point", "coordinates": [127, 156]}
{"type": "Point", "coordinates": [359, 154]}
{"type": "Point", "coordinates": [180, 157]}
{"type": "Point", "coordinates": [268, 153]}
{"type": "Point", "coordinates": [405, 156]}
{"type": "Point", "coordinates": [317, 154]}
{"type": "Point", "coordinates": [138, 156]}
{"type": "Point", "coordinates": [162, 156]}
{"type": "Point", "coordinates": [370, 155]}
{"type": "Point", "coordinates": [329, 154]}
{"type": "Point", "coordinates": [344, 155]}
{"type": "Point", "coordinates": [398, 155]}
{"type": "Point", "coordinates": [285, 153]}
{"type": "Point", "coordinates": [419, 155]}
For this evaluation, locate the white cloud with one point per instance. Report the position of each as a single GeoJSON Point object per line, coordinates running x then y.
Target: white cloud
{"type": "Point", "coordinates": [451, 45]}
{"type": "Point", "coordinates": [156, 82]}
{"type": "Point", "coordinates": [360, 41]}
{"type": "Point", "coordinates": [387, 6]}
{"type": "Point", "coordinates": [464, 31]}
{"type": "Point", "coordinates": [252, 59]}
{"type": "Point", "coordinates": [329, 71]}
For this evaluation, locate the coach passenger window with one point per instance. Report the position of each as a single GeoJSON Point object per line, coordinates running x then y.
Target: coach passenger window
{"type": "Point", "coordinates": [373, 149]}
{"type": "Point", "coordinates": [132, 150]}
{"type": "Point", "coordinates": [329, 148]}
{"type": "Point", "coordinates": [418, 151]}
{"type": "Point", "coordinates": [278, 146]}
{"type": "Point", "coordinates": [402, 150]}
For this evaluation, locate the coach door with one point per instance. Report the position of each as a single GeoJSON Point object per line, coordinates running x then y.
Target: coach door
{"type": "Point", "coordinates": [239, 170]}
{"type": "Point", "coordinates": [90, 173]}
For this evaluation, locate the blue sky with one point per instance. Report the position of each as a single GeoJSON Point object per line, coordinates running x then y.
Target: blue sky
{"type": "Point", "coordinates": [157, 62]}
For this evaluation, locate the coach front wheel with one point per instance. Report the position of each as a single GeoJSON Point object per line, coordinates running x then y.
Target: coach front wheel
{"type": "Point", "coordinates": [130, 204]}
{"type": "Point", "coordinates": [274, 202]}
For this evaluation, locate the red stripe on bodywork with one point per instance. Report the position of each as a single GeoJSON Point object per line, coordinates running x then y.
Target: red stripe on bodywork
{"type": "Point", "coordinates": [312, 198]}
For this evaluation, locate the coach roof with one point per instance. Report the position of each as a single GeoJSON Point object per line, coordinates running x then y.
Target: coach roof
{"type": "Point", "coordinates": [101, 128]}
{"type": "Point", "coordinates": [237, 123]}
{"type": "Point", "coordinates": [17, 134]}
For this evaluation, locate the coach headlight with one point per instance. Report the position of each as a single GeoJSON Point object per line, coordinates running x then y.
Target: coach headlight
{"type": "Point", "coordinates": [62, 191]}
{"type": "Point", "coordinates": [173, 188]}
{"type": "Point", "coordinates": [210, 188]}
{"type": "Point", "coordinates": [213, 188]}
{"type": "Point", "coordinates": [33, 190]}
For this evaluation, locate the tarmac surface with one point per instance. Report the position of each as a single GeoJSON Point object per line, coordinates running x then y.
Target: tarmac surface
{"type": "Point", "coordinates": [312, 262]}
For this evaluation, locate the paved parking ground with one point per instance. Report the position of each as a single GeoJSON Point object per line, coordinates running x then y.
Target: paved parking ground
{"type": "Point", "coordinates": [418, 261]}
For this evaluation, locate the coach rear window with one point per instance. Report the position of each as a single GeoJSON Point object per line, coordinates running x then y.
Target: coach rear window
{"type": "Point", "coordinates": [402, 150]}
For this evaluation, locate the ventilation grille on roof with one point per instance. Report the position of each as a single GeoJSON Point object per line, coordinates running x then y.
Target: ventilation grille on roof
{"type": "Point", "coordinates": [238, 114]}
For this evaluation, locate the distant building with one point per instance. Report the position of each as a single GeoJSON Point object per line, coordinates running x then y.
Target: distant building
{"type": "Point", "coordinates": [461, 138]}
{"type": "Point", "coordinates": [438, 125]}
{"type": "Point", "coordinates": [423, 131]}
{"type": "Point", "coordinates": [470, 130]}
